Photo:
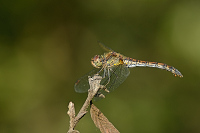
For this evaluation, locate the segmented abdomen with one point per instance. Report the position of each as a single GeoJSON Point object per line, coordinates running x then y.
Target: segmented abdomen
{"type": "Point", "coordinates": [129, 62]}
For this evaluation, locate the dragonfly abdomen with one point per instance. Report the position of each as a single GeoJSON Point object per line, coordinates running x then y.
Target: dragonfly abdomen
{"type": "Point", "coordinates": [133, 63]}
{"type": "Point", "coordinates": [139, 63]}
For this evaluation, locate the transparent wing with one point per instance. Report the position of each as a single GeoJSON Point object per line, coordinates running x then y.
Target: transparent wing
{"type": "Point", "coordinates": [82, 84]}
{"type": "Point", "coordinates": [113, 77]}
{"type": "Point", "coordinates": [105, 47]}
{"type": "Point", "coordinates": [118, 75]}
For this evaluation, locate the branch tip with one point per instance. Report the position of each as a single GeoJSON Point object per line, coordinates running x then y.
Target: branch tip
{"type": "Point", "coordinates": [94, 83]}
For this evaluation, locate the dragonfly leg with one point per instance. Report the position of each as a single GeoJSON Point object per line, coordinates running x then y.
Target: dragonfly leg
{"type": "Point", "coordinates": [104, 74]}
{"type": "Point", "coordinates": [103, 87]}
{"type": "Point", "coordinates": [101, 70]}
{"type": "Point", "coordinates": [100, 95]}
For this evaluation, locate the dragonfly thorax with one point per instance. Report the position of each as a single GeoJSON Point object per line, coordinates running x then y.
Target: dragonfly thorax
{"type": "Point", "coordinates": [97, 61]}
{"type": "Point", "coordinates": [107, 60]}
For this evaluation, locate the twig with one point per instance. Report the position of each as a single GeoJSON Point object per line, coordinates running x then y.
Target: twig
{"type": "Point", "coordinates": [101, 121]}
{"type": "Point", "coordinates": [94, 87]}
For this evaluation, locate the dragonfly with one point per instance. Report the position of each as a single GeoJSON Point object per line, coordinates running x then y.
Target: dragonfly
{"type": "Point", "coordinates": [114, 67]}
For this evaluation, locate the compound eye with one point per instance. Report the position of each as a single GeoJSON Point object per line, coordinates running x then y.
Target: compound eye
{"type": "Point", "coordinates": [96, 61]}
{"type": "Point", "coordinates": [96, 58]}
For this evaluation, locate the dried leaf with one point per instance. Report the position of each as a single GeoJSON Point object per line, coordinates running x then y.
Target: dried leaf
{"type": "Point", "coordinates": [101, 121]}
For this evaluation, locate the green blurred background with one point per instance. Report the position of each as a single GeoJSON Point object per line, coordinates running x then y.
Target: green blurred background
{"type": "Point", "coordinates": [45, 46]}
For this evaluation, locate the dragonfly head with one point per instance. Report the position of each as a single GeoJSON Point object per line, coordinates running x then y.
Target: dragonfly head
{"type": "Point", "coordinates": [96, 61]}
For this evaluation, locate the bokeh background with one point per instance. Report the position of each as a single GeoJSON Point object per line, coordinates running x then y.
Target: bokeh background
{"type": "Point", "coordinates": [45, 46]}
